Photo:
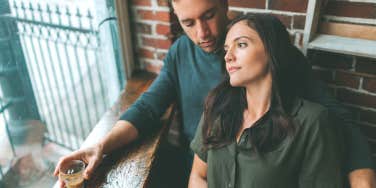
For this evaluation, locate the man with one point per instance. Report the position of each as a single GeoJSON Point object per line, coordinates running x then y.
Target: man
{"type": "Point", "coordinates": [192, 67]}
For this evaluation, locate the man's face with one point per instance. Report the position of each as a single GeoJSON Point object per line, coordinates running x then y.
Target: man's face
{"type": "Point", "coordinates": [204, 21]}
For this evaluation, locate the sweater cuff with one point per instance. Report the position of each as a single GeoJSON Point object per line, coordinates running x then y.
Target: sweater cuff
{"type": "Point", "coordinates": [140, 122]}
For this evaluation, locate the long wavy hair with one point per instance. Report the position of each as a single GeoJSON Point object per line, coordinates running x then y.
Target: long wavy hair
{"type": "Point", "coordinates": [225, 104]}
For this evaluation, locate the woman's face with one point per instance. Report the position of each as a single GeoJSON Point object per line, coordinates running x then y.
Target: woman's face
{"type": "Point", "coordinates": [246, 58]}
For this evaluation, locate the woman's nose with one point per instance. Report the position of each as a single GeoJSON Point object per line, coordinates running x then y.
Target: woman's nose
{"type": "Point", "coordinates": [229, 56]}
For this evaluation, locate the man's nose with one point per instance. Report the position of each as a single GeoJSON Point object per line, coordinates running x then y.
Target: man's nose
{"type": "Point", "coordinates": [202, 30]}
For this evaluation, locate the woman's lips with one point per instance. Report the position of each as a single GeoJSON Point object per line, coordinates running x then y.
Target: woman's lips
{"type": "Point", "coordinates": [232, 69]}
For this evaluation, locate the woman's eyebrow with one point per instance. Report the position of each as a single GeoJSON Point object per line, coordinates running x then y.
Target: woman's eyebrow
{"type": "Point", "coordinates": [241, 37]}
{"type": "Point", "coordinates": [238, 38]}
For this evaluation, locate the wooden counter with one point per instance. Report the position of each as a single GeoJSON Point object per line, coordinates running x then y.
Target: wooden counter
{"type": "Point", "coordinates": [129, 166]}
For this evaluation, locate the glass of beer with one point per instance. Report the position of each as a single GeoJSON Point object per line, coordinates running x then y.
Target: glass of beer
{"type": "Point", "coordinates": [71, 173]}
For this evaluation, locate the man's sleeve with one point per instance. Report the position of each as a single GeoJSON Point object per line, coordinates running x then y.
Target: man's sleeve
{"type": "Point", "coordinates": [357, 153]}
{"type": "Point", "coordinates": [145, 113]}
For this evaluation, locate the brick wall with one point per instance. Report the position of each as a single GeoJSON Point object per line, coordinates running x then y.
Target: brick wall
{"type": "Point", "coordinates": [151, 32]}
{"type": "Point", "coordinates": [351, 79]}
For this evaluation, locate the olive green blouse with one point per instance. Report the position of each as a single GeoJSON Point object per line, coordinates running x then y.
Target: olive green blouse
{"type": "Point", "coordinates": [311, 158]}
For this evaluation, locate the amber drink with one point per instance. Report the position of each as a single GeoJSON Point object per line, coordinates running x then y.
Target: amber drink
{"type": "Point", "coordinates": [71, 173]}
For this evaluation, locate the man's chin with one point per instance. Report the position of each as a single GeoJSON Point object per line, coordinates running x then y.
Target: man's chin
{"type": "Point", "coordinates": [208, 49]}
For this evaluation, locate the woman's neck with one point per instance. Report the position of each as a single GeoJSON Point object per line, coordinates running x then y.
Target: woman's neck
{"type": "Point", "coordinates": [259, 97]}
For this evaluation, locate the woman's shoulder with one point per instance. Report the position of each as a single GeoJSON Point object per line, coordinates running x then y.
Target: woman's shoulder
{"type": "Point", "coordinates": [310, 112]}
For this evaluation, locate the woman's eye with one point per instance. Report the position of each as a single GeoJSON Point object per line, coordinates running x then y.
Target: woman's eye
{"type": "Point", "coordinates": [242, 44]}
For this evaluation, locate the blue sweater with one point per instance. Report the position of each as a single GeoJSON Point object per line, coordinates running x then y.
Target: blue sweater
{"type": "Point", "coordinates": [187, 76]}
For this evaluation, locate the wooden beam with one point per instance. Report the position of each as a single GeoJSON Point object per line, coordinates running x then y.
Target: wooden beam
{"type": "Point", "coordinates": [122, 14]}
{"type": "Point", "coordinates": [312, 18]}
{"type": "Point", "coordinates": [344, 45]}
{"type": "Point", "coordinates": [348, 30]}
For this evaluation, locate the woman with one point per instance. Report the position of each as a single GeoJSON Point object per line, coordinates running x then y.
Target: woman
{"type": "Point", "coordinates": [255, 131]}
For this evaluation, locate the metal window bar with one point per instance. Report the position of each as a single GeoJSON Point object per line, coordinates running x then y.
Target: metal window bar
{"type": "Point", "coordinates": [3, 107]}
{"type": "Point", "coordinates": [61, 48]}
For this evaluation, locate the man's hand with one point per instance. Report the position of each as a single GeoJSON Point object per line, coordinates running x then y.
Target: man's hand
{"type": "Point", "coordinates": [362, 178]}
{"type": "Point", "coordinates": [92, 157]}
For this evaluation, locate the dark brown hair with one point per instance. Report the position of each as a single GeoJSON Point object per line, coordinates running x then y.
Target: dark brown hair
{"type": "Point", "coordinates": [224, 106]}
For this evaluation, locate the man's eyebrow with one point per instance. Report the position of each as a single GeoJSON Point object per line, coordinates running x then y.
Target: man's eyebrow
{"type": "Point", "coordinates": [186, 20]}
{"type": "Point", "coordinates": [209, 11]}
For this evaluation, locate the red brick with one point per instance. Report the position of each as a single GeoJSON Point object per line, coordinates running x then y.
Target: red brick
{"type": "Point", "coordinates": [233, 14]}
{"type": "Point", "coordinates": [142, 28]}
{"type": "Point", "coordinates": [161, 55]}
{"type": "Point", "coordinates": [247, 3]}
{"type": "Point", "coordinates": [150, 15]}
{"type": "Point", "coordinates": [369, 84]}
{"type": "Point", "coordinates": [351, 9]}
{"type": "Point", "coordinates": [300, 40]}
{"type": "Point", "coordinates": [299, 22]}
{"type": "Point", "coordinates": [356, 98]}
{"type": "Point", "coordinates": [365, 65]}
{"type": "Point", "coordinates": [289, 5]}
{"type": "Point", "coordinates": [324, 75]}
{"type": "Point", "coordinates": [163, 29]}
{"type": "Point", "coordinates": [347, 79]}
{"type": "Point", "coordinates": [163, 3]}
{"type": "Point", "coordinates": [292, 38]}
{"type": "Point", "coordinates": [286, 20]}
{"type": "Point", "coordinates": [296, 39]}
{"type": "Point", "coordinates": [141, 2]}
{"type": "Point", "coordinates": [367, 116]}
{"type": "Point", "coordinates": [145, 53]}
{"type": "Point", "coordinates": [156, 43]}
{"type": "Point", "coordinates": [331, 60]}
{"type": "Point", "coordinates": [153, 67]}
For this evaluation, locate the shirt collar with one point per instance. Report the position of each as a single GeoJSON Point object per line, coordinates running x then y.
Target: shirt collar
{"type": "Point", "coordinates": [296, 105]}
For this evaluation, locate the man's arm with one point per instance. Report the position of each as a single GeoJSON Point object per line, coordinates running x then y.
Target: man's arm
{"type": "Point", "coordinates": [120, 135]}
{"type": "Point", "coordinates": [146, 112]}
{"type": "Point", "coordinates": [358, 163]}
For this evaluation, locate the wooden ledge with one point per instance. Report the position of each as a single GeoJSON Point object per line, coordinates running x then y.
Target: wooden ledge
{"type": "Point", "coordinates": [129, 166]}
{"type": "Point", "coordinates": [344, 45]}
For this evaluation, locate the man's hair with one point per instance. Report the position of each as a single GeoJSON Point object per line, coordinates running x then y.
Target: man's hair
{"type": "Point", "coordinates": [224, 106]}
{"type": "Point", "coordinates": [223, 1]}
